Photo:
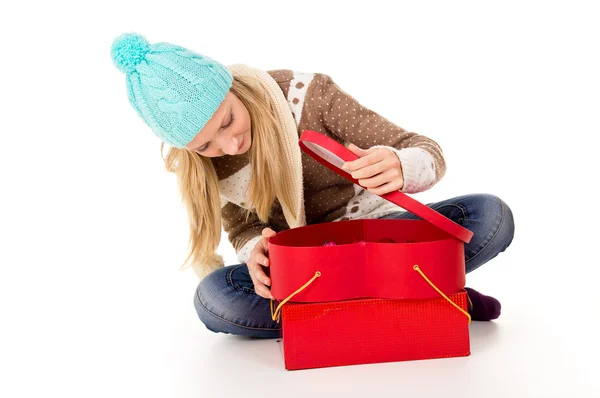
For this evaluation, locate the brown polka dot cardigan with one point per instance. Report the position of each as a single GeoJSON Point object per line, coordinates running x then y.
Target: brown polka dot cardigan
{"type": "Point", "coordinates": [317, 103]}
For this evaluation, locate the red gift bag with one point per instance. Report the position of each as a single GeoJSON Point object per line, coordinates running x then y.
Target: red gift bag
{"type": "Point", "coordinates": [317, 335]}
{"type": "Point", "coordinates": [365, 299]}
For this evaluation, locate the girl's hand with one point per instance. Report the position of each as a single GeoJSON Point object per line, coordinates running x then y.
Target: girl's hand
{"type": "Point", "coordinates": [378, 169]}
{"type": "Point", "coordinates": [259, 259]}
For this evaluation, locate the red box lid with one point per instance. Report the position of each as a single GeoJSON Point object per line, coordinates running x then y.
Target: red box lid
{"type": "Point", "coordinates": [333, 155]}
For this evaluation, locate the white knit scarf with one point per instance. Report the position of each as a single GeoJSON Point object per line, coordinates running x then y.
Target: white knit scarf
{"type": "Point", "coordinates": [291, 176]}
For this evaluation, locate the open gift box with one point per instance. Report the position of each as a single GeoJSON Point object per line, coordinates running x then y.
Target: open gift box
{"type": "Point", "coordinates": [389, 290]}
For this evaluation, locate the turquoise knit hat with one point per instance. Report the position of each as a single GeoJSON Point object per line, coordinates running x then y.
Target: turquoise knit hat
{"type": "Point", "coordinates": [174, 90]}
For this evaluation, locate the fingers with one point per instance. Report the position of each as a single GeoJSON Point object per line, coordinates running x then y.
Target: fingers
{"type": "Point", "coordinates": [379, 179]}
{"type": "Point", "coordinates": [262, 290]}
{"type": "Point", "coordinates": [259, 279]}
{"type": "Point", "coordinates": [370, 171]}
{"type": "Point", "coordinates": [358, 151]}
{"type": "Point", "coordinates": [255, 263]}
{"type": "Point", "coordinates": [367, 159]}
{"type": "Point", "coordinates": [264, 242]}
{"type": "Point", "coordinates": [258, 259]}
{"type": "Point", "coordinates": [268, 233]}
{"type": "Point", "coordinates": [389, 187]}
{"type": "Point", "coordinates": [261, 259]}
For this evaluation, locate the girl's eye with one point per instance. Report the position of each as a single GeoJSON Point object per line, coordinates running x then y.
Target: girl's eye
{"type": "Point", "coordinates": [205, 147]}
{"type": "Point", "coordinates": [230, 121]}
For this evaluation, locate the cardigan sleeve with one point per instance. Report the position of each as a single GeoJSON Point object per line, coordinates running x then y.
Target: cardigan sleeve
{"type": "Point", "coordinates": [244, 231]}
{"type": "Point", "coordinates": [422, 159]}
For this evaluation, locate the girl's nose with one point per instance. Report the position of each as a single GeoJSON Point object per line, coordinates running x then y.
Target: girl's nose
{"type": "Point", "coordinates": [230, 147]}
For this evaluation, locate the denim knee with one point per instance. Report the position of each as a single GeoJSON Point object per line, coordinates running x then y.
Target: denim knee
{"type": "Point", "coordinates": [493, 223]}
{"type": "Point", "coordinates": [505, 232]}
{"type": "Point", "coordinates": [208, 284]}
{"type": "Point", "coordinates": [508, 227]}
{"type": "Point", "coordinates": [226, 304]}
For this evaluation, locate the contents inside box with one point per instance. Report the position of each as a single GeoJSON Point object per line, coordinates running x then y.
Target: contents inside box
{"type": "Point", "coordinates": [356, 232]}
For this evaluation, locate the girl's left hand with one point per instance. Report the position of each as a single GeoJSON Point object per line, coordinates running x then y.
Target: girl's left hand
{"type": "Point", "coordinates": [378, 169]}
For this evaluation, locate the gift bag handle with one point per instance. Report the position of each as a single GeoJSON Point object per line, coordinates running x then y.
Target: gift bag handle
{"type": "Point", "coordinates": [275, 315]}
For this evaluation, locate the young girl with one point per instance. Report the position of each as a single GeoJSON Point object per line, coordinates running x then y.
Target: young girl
{"type": "Point", "coordinates": [234, 132]}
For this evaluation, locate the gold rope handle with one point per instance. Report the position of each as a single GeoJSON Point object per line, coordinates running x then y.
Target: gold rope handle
{"type": "Point", "coordinates": [416, 268]}
{"type": "Point", "coordinates": [275, 315]}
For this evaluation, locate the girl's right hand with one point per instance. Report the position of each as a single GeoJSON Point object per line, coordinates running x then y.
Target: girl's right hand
{"type": "Point", "coordinates": [259, 259]}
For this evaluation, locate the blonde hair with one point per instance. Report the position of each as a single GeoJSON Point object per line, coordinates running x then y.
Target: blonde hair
{"type": "Point", "coordinates": [198, 182]}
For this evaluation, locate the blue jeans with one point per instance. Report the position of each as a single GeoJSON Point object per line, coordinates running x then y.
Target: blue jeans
{"type": "Point", "coordinates": [226, 302]}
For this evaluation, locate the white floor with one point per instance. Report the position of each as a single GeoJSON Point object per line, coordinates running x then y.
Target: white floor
{"type": "Point", "coordinates": [537, 348]}
{"type": "Point", "coordinates": [148, 342]}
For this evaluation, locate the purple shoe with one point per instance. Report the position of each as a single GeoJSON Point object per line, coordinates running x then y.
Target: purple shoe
{"type": "Point", "coordinates": [482, 307]}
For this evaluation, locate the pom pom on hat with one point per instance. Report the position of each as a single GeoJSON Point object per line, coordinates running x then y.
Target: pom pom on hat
{"type": "Point", "coordinates": [129, 50]}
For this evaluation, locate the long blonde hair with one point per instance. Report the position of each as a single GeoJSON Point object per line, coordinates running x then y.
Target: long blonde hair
{"type": "Point", "coordinates": [198, 182]}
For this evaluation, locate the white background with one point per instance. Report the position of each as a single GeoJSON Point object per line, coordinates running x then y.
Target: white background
{"type": "Point", "coordinates": [92, 230]}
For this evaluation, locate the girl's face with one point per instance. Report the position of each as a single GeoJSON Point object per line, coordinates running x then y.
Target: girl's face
{"type": "Point", "coordinates": [226, 133]}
